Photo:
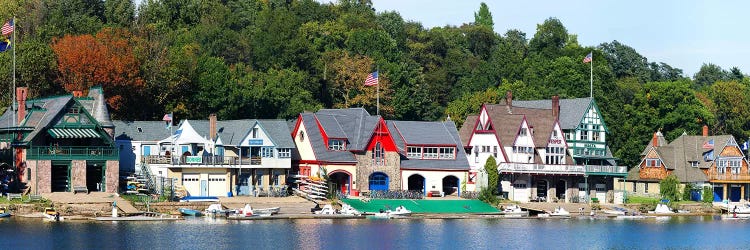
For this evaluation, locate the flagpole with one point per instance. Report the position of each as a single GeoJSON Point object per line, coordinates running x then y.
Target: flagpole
{"type": "Point", "coordinates": [377, 107]}
{"type": "Point", "coordinates": [14, 107]}
{"type": "Point", "coordinates": [591, 76]}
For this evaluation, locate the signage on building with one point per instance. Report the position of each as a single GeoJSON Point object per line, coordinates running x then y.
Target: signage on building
{"type": "Point", "coordinates": [193, 159]}
{"type": "Point", "coordinates": [255, 142]}
{"type": "Point", "coordinates": [555, 140]}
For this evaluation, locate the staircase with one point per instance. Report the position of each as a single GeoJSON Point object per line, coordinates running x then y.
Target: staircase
{"type": "Point", "coordinates": [142, 182]}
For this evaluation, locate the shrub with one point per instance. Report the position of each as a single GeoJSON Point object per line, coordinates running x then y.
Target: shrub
{"type": "Point", "coordinates": [492, 175]}
{"type": "Point", "coordinates": [487, 196]}
{"type": "Point", "coordinates": [708, 195]}
{"type": "Point", "coordinates": [669, 188]}
{"type": "Point", "coordinates": [687, 190]}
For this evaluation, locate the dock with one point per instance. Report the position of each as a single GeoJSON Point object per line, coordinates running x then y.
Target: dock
{"type": "Point", "coordinates": [297, 217]}
{"type": "Point", "coordinates": [143, 217]}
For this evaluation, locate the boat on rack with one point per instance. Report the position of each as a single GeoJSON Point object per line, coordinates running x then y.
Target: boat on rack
{"type": "Point", "coordinates": [190, 212]}
{"type": "Point", "coordinates": [199, 199]}
{"type": "Point", "coordinates": [51, 215]}
{"type": "Point", "coordinates": [4, 213]}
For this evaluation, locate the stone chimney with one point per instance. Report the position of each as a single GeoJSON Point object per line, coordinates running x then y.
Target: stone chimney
{"type": "Point", "coordinates": [655, 140]}
{"type": "Point", "coordinates": [555, 106]}
{"type": "Point", "coordinates": [77, 93]}
{"type": "Point", "coordinates": [705, 131]}
{"type": "Point", "coordinates": [21, 93]}
{"type": "Point", "coordinates": [212, 126]}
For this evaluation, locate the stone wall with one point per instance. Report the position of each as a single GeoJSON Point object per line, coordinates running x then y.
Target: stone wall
{"type": "Point", "coordinates": [391, 167]}
{"type": "Point", "coordinates": [112, 176]}
{"type": "Point", "coordinates": [41, 176]}
{"type": "Point", "coordinates": [77, 174]}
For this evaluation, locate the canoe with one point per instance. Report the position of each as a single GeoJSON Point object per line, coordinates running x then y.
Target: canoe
{"type": "Point", "coordinates": [200, 199]}
{"type": "Point", "coordinates": [190, 212]}
{"type": "Point", "coordinates": [4, 212]}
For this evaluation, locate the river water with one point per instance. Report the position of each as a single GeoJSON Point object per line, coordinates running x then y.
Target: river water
{"type": "Point", "coordinates": [676, 233]}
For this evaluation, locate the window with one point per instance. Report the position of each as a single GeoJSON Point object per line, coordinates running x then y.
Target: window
{"type": "Point", "coordinates": [430, 153]}
{"type": "Point", "coordinates": [554, 132]}
{"type": "Point", "coordinates": [523, 132]}
{"type": "Point", "coordinates": [554, 155]}
{"type": "Point", "coordinates": [595, 136]}
{"type": "Point", "coordinates": [259, 179]}
{"type": "Point", "coordinates": [301, 136]}
{"type": "Point", "coordinates": [414, 152]}
{"type": "Point", "coordinates": [485, 149]}
{"type": "Point", "coordinates": [275, 177]}
{"type": "Point", "coordinates": [694, 164]}
{"type": "Point", "coordinates": [255, 133]}
{"type": "Point", "coordinates": [653, 163]}
{"type": "Point", "coordinates": [140, 130]}
{"type": "Point", "coordinates": [494, 151]}
{"type": "Point", "coordinates": [377, 154]}
{"type": "Point", "coordinates": [285, 152]}
{"type": "Point", "coordinates": [519, 185]}
{"type": "Point", "coordinates": [447, 153]}
{"type": "Point", "coordinates": [584, 135]}
{"type": "Point", "coordinates": [635, 187]}
{"type": "Point", "coordinates": [146, 150]}
{"type": "Point", "coordinates": [336, 144]}
{"type": "Point", "coordinates": [266, 152]}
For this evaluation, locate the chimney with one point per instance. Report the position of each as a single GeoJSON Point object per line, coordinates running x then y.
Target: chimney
{"type": "Point", "coordinates": [509, 98]}
{"type": "Point", "coordinates": [705, 131]}
{"type": "Point", "coordinates": [212, 126]}
{"type": "Point", "coordinates": [655, 140]}
{"type": "Point", "coordinates": [77, 93]}
{"type": "Point", "coordinates": [555, 106]}
{"type": "Point", "coordinates": [21, 93]}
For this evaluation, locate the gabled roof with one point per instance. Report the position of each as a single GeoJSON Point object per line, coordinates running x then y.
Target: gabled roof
{"type": "Point", "coordinates": [571, 110]}
{"type": "Point", "coordinates": [315, 138]}
{"type": "Point", "coordinates": [467, 129]}
{"type": "Point", "coordinates": [355, 124]}
{"type": "Point", "coordinates": [149, 130]}
{"type": "Point", "coordinates": [40, 113]}
{"type": "Point", "coordinates": [279, 132]}
{"type": "Point", "coordinates": [428, 133]}
{"type": "Point", "coordinates": [506, 123]}
{"type": "Point", "coordinates": [97, 106]}
{"type": "Point", "coordinates": [231, 132]}
{"type": "Point", "coordinates": [659, 139]}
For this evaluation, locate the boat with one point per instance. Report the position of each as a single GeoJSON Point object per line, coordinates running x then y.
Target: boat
{"type": "Point", "coordinates": [190, 212]}
{"type": "Point", "coordinates": [267, 211]}
{"type": "Point", "coordinates": [514, 211]}
{"type": "Point", "coordinates": [147, 216]}
{"type": "Point", "coordinates": [4, 212]}
{"type": "Point", "coordinates": [632, 217]}
{"type": "Point", "coordinates": [327, 210]}
{"type": "Point", "coordinates": [661, 209]}
{"type": "Point", "coordinates": [217, 209]}
{"type": "Point", "coordinates": [399, 212]}
{"type": "Point", "coordinates": [349, 210]}
{"type": "Point", "coordinates": [51, 215]}
{"type": "Point", "coordinates": [200, 199]}
{"type": "Point", "coordinates": [560, 212]}
{"type": "Point", "coordinates": [613, 212]}
{"type": "Point", "coordinates": [248, 211]}
{"type": "Point", "coordinates": [745, 209]}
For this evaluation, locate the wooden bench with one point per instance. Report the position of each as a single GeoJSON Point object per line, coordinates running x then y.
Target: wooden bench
{"type": "Point", "coordinates": [436, 193]}
{"type": "Point", "coordinates": [35, 197]}
{"type": "Point", "coordinates": [14, 196]}
{"type": "Point", "coordinates": [80, 189]}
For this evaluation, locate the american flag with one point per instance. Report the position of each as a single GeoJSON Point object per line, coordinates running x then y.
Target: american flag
{"type": "Point", "coordinates": [8, 27]}
{"type": "Point", "coordinates": [167, 117]}
{"type": "Point", "coordinates": [588, 58]}
{"type": "Point", "coordinates": [372, 79]}
{"type": "Point", "coordinates": [709, 144]}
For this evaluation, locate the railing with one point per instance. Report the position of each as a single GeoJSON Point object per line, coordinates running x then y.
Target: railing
{"type": "Point", "coordinates": [200, 160]}
{"type": "Point", "coordinates": [72, 153]}
{"type": "Point", "coordinates": [606, 169]}
{"type": "Point", "coordinates": [729, 177]}
{"type": "Point", "coordinates": [565, 169]}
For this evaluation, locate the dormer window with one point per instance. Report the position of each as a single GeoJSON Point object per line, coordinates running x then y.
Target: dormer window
{"type": "Point", "coordinates": [336, 144]}
{"type": "Point", "coordinates": [653, 162]}
{"type": "Point", "coordinates": [302, 136]}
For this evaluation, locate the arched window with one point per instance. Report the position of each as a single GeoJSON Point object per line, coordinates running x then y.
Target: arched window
{"type": "Point", "coordinates": [378, 181]}
{"type": "Point", "coordinates": [301, 136]}
{"type": "Point", "coordinates": [377, 154]}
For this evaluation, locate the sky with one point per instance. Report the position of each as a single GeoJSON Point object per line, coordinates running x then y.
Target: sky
{"type": "Point", "coordinates": [683, 34]}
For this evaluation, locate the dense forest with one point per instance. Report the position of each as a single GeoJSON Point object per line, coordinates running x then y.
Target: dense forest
{"type": "Point", "coordinates": [276, 58]}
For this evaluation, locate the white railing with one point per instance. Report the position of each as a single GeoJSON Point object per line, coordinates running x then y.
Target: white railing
{"type": "Point", "coordinates": [564, 169]}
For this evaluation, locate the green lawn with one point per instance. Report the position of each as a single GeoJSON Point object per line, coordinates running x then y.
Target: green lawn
{"type": "Point", "coordinates": [642, 200]}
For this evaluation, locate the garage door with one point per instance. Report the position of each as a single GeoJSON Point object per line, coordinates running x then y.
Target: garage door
{"type": "Point", "coordinates": [217, 185]}
{"type": "Point", "coordinates": [520, 191]}
{"type": "Point", "coordinates": [191, 183]}
{"type": "Point", "coordinates": [601, 192]}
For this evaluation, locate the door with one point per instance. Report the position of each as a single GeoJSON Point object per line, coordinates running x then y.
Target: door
{"type": "Point", "coordinates": [204, 187]}
{"type": "Point", "coordinates": [520, 191]}
{"type": "Point", "coordinates": [582, 192]}
{"type": "Point", "coordinates": [541, 189]}
{"type": "Point", "coordinates": [378, 182]}
{"type": "Point", "coordinates": [191, 184]}
{"type": "Point", "coordinates": [735, 193]}
{"type": "Point", "coordinates": [560, 190]}
{"type": "Point", "coordinates": [718, 193]}
{"type": "Point", "coordinates": [601, 192]}
{"type": "Point", "coordinates": [217, 185]}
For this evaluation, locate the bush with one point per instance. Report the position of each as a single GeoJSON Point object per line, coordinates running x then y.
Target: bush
{"type": "Point", "coordinates": [687, 190]}
{"type": "Point", "coordinates": [487, 196]}
{"type": "Point", "coordinates": [490, 166]}
{"type": "Point", "coordinates": [668, 188]}
{"type": "Point", "coordinates": [708, 195]}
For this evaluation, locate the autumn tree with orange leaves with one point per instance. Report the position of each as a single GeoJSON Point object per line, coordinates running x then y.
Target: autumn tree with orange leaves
{"type": "Point", "coordinates": [105, 59]}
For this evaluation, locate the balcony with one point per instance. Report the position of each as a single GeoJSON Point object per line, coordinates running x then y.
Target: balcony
{"type": "Point", "coordinates": [562, 169]}
{"type": "Point", "coordinates": [728, 177]}
{"type": "Point", "coordinates": [72, 153]}
{"type": "Point", "coordinates": [227, 161]}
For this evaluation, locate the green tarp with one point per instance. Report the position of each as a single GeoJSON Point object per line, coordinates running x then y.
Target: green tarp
{"type": "Point", "coordinates": [423, 206]}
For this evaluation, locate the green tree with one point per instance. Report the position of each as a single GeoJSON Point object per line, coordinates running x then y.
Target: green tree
{"type": "Point", "coordinates": [669, 188]}
{"type": "Point", "coordinates": [549, 39]}
{"type": "Point", "coordinates": [625, 61]}
{"type": "Point", "coordinates": [484, 17]}
{"type": "Point", "coordinates": [490, 166]}
{"type": "Point", "coordinates": [708, 195]}
{"type": "Point", "coordinates": [709, 74]}
{"type": "Point", "coordinates": [119, 12]}
{"type": "Point", "coordinates": [686, 191]}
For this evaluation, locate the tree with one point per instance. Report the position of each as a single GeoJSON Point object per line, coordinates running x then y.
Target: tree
{"type": "Point", "coordinates": [119, 12]}
{"type": "Point", "coordinates": [484, 17]}
{"type": "Point", "coordinates": [107, 60]}
{"type": "Point", "coordinates": [625, 61]}
{"type": "Point", "coordinates": [669, 188]}
{"type": "Point", "coordinates": [347, 74]}
{"type": "Point", "coordinates": [709, 74]}
{"type": "Point", "coordinates": [490, 166]}
{"type": "Point", "coordinates": [549, 39]}
{"type": "Point", "coordinates": [708, 195]}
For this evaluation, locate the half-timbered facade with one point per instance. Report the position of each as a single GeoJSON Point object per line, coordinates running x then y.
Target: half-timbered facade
{"type": "Point", "coordinates": [62, 143]}
{"type": "Point", "coordinates": [715, 161]}
{"type": "Point", "coordinates": [537, 154]}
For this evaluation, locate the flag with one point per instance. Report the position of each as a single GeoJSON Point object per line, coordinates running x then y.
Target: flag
{"type": "Point", "coordinates": [8, 27]}
{"type": "Point", "coordinates": [745, 145]}
{"type": "Point", "coordinates": [588, 58]}
{"type": "Point", "coordinates": [5, 45]}
{"type": "Point", "coordinates": [709, 144]}
{"type": "Point", "coordinates": [372, 79]}
{"type": "Point", "coordinates": [168, 119]}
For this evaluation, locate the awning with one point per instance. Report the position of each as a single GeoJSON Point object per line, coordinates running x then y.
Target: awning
{"type": "Point", "coordinates": [73, 133]}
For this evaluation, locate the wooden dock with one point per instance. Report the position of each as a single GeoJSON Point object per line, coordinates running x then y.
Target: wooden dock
{"type": "Point", "coordinates": [296, 217]}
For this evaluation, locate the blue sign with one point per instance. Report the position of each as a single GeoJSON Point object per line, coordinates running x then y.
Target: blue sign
{"type": "Point", "coordinates": [255, 142]}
